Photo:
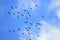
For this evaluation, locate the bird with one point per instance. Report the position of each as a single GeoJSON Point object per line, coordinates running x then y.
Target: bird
{"type": "Point", "coordinates": [25, 10]}
{"type": "Point", "coordinates": [31, 24]}
{"type": "Point", "coordinates": [29, 15]}
{"type": "Point", "coordinates": [9, 13]}
{"type": "Point", "coordinates": [22, 15]}
{"type": "Point", "coordinates": [26, 22]}
{"type": "Point", "coordinates": [38, 28]}
{"type": "Point", "coordinates": [12, 8]}
{"type": "Point", "coordinates": [30, 39]}
{"type": "Point", "coordinates": [38, 35]}
{"type": "Point", "coordinates": [18, 12]}
{"type": "Point", "coordinates": [13, 30]}
{"type": "Point", "coordinates": [13, 13]}
{"type": "Point", "coordinates": [27, 18]}
{"type": "Point", "coordinates": [9, 31]}
{"type": "Point", "coordinates": [15, 6]}
{"type": "Point", "coordinates": [29, 33]}
{"type": "Point", "coordinates": [36, 5]}
{"type": "Point", "coordinates": [42, 16]}
{"type": "Point", "coordinates": [30, 8]}
{"type": "Point", "coordinates": [22, 33]}
{"type": "Point", "coordinates": [29, 28]}
{"type": "Point", "coordinates": [26, 29]}
{"type": "Point", "coordinates": [17, 17]}
{"type": "Point", "coordinates": [38, 23]}
{"type": "Point", "coordinates": [18, 29]}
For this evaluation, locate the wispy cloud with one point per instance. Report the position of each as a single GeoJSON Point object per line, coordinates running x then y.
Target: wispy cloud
{"type": "Point", "coordinates": [58, 13]}
{"type": "Point", "coordinates": [54, 4]}
{"type": "Point", "coordinates": [49, 32]}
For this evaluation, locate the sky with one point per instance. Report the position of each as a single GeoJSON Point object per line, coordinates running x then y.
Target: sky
{"type": "Point", "coordinates": [29, 19]}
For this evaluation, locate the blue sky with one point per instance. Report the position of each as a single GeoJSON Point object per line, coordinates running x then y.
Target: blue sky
{"type": "Point", "coordinates": [50, 23]}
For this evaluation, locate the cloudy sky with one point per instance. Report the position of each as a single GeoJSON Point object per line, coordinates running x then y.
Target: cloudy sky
{"type": "Point", "coordinates": [40, 18]}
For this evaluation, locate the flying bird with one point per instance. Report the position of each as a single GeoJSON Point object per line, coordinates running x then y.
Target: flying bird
{"type": "Point", "coordinates": [15, 6]}
{"type": "Point", "coordinates": [31, 24]}
{"type": "Point", "coordinates": [12, 8]}
{"type": "Point", "coordinates": [17, 17]}
{"type": "Point", "coordinates": [22, 15]}
{"type": "Point", "coordinates": [29, 33]}
{"type": "Point", "coordinates": [26, 17]}
{"type": "Point", "coordinates": [18, 29]}
{"type": "Point", "coordinates": [25, 10]}
{"type": "Point", "coordinates": [13, 30]}
{"type": "Point", "coordinates": [36, 5]}
{"type": "Point", "coordinates": [9, 31]}
{"type": "Point", "coordinates": [9, 13]}
{"type": "Point", "coordinates": [42, 16]}
{"type": "Point", "coordinates": [30, 39]}
{"type": "Point", "coordinates": [38, 35]}
{"type": "Point", "coordinates": [38, 23]}
{"type": "Point", "coordinates": [22, 33]}
{"type": "Point", "coordinates": [29, 28]}
{"type": "Point", "coordinates": [30, 8]}
{"type": "Point", "coordinates": [18, 12]}
{"type": "Point", "coordinates": [29, 15]}
{"type": "Point", "coordinates": [38, 28]}
{"type": "Point", "coordinates": [26, 22]}
{"type": "Point", "coordinates": [13, 13]}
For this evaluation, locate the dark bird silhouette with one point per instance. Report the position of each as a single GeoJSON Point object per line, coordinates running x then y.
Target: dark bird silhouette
{"type": "Point", "coordinates": [26, 22]}
{"type": "Point", "coordinates": [13, 30]}
{"type": "Point", "coordinates": [31, 24]}
{"type": "Point", "coordinates": [29, 33]}
{"type": "Point", "coordinates": [36, 5]}
{"type": "Point", "coordinates": [25, 10]}
{"type": "Point", "coordinates": [13, 13]}
{"type": "Point", "coordinates": [18, 12]}
{"type": "Point", "coordinates": [38, 28]}
{"type": "Point", "coordinates": [25, 28]}
{"type": "Point", "coordinates": [9, 13]}
{"type": "Point", "coordinates": [30, 8]}
{"type": "Point", "coordinates": [9, 31]}
{"type": "Point", "coordinates": [18, 29]}
{"type": "Point", "coordinates": [42, 16]}
{"type": "Point", "coordinates": [22, 33]}
{"type": "Point", "coordinates": [17, 17]}
{"type": "Point", "coordinates": [29, 28]}
{"type": "Point", "coordinates": [22, 15]}
{"type": "Point", "coordinates": [15, 6]}
{"type": "Point", "coordinates": [38, 23]}
{"type": "Point", "coordinates": [12, 8]}
{"type": "Point", "coordinates": [30, 39]}
{"type": "Point", "coordinates": [27, 18]}
{"type": "Point", "coordinates": [38, 35]}
{"type": "Point", "coordinates": [29, 15]}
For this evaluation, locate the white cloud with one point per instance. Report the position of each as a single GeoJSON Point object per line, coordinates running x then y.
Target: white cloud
{"type": "Point", "coordinates": [58, 13]}
{"type": "Point", "coordinates": [32, 5]}
{"type": "Point", "coordinates": [54, 4]}
{"type": "Point", "coordinates": [49, 32]}
{"type": "Point", "coordinates": [26, 4]}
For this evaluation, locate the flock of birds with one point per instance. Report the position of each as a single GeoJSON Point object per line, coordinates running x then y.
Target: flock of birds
{"type": "Point", "coordinates": [26, 22]}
